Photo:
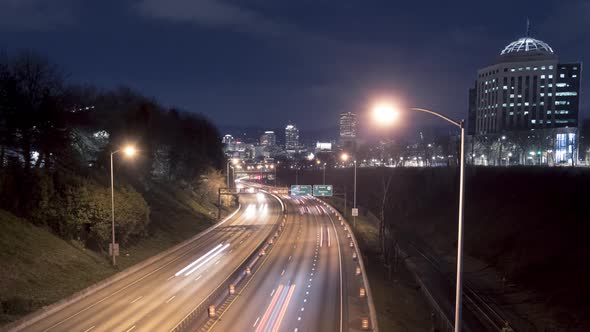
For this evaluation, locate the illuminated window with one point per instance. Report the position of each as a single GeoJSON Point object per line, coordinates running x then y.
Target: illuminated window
{"type": "Point", "coordinates": [550, 76]}
{"type": "Point", "coordinates": [533, 121]}
{"type": "Point", "coordinates": [512, 69]}
{"type": "Point", "coordinates": [542, 77]}
{"type": "Point", "coordinates": [543, 68]}
{"type": "Point", "coordinates": [550, 67]}
{"type": "Point", "coordinates": [574, 76]}
{"type": "Point", "coordinates": [570, 93]}
{"type": "Point", "coordinates": [562, 75]}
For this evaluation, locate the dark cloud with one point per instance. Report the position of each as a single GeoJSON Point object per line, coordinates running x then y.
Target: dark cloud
{"type": "Point", "coordinates": [215, 13]}
{"type": "Point", "coordinates": [34, 15]}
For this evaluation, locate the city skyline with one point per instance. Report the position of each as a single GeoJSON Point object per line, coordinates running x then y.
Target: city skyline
{"type": "Point", "coordinates": [354, 68]}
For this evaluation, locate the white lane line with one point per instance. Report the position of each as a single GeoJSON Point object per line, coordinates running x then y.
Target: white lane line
{"type": "Point", "coordinates": [257, 319]}
{"type": "Point", "coordinates": [271, 294]}
{"type": "Point", "coordinates": [90, 328]}
{"type": "Point", "coordinates": [170, 299]}
{"type": "Point", "coordinates": [289, 257]}
{"type": "Point", "coordinates": [199, 277]}
{"type": "Point", "coordinates": [328, 232]}
{"type": "Point", "coordinates": [283, 272]}
{"type": "Point", "coordinates": [217, 262]}
{"type": "Point", "coordinates": [321, 237]}
{"type": "Point", "coordinates": [131, 329]}
{"type": "Point", "coordinates": [137, 299]}
{"type": "Point", "coordinates": [170, 278]}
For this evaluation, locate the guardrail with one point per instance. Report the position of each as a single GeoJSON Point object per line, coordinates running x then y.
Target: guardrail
{"type": "Point", "coordinates": [372, 311]}
{"type": "Point", "coordinates": [234, 278]}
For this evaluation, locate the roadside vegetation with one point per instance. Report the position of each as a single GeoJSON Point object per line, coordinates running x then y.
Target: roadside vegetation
{"type": "Point", "coordinates": [56, 138]}
{"type": "Point", "coordinates": [399, 304]}
{"type": "Point", "coordinates": [525, 231]}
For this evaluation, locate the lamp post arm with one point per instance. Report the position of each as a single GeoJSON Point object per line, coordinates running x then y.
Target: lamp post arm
{"type": "Point", "coordinates": [456, 123]}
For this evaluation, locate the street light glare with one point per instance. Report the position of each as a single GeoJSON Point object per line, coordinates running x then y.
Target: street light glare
{"type": "Point", "coordinates": [344, 156]}
{"type": "Point", "coordinates": [129, 151]}
{"type": "Point", "coordinates": [384, 114]}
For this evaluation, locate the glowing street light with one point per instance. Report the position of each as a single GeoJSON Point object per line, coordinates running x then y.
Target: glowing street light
{"type": "Point", "coordinates": [386, 114]}
{"type": "Point", "coordinates": [344, 157]}
{"type": "Point", "coordinates": [129, 151]}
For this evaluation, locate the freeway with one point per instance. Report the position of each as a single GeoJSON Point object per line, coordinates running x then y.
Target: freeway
{"type": "Point", "coordinates": [158, 296]}
{"type": "Point", "coordinates": [300, 285]}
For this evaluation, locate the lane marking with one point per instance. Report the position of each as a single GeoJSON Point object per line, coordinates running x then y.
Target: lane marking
{"type": "Point", "coordinates": [283, 272]}
{"type": "Point", "coordinates": [170, 278]}
{"type": "Point", "coordinates": [271, 294]}
{"type": "Point", "coordinates": [137, 299]}
{"type": "Point", "coordinates": [170, 299]}
{"type": "Point", "coordinates": [199, 277]}
{"type": "Point", "coordinates": [131, 329]}
{"type": "Point", "coordinates": [90, 328]}
{"type": "Point", "coordinates": [289, 257]}
{"type": "Point", "coordinates": [256, 322]}
{"type": "Point", "coordinates": [321, 237]}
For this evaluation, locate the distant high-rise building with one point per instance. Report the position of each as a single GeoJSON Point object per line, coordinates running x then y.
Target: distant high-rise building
{"type": "Point", "coordinates": [268, 138]}
{"type": "Point", "coordinates": [527, 90]}
{"type": "Point", "coordinates": [227, 139]}
{"type": "Point", "coordinates": [348, 130]}
{"type": "Point", "coordinates": [291, 137]}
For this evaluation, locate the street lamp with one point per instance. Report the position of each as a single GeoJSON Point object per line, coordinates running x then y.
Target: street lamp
{"type": "Point", "coordinates": [324, 174]}
{"type": "Point", "coordinates": [386, 114]}
{"type": "Point", "coordinates": [129, 151]}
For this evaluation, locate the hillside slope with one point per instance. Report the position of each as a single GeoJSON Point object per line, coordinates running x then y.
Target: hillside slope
{"type": "Point", "coordinates": [39, 268]}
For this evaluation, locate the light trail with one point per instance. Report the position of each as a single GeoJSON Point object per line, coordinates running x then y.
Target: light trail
{"type": "Point", "coordinates": [198, 260]}
{"type": "Point", "coordinates": [208, 259]}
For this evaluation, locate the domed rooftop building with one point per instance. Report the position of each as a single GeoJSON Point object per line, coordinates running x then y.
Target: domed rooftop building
{"type": "Point", "coordinates": [527, 89]}
{"type": "Point", "coordinates": [527, 47]}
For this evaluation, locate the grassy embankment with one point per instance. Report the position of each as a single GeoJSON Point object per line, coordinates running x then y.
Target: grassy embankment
{"type": "Point", "coordinates": [39, 268]}
{"type": "Point", "coordinates": [399, 304]}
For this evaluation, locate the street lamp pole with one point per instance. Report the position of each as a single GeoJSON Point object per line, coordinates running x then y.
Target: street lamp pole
{"type": "Point", "coordinates": [354, 200]}
{"type": "Point", "coordinates": [129, 151]}
{"type": "Point", "coordinates": [324, 182]}
{"type": "Point", "coordinates": [459, 286]}
{"type": "Point", "coordinates": [227, 173]}
{"type": "Point", "coordinates": [386, 113]}
{"type": "Point", "coordinates": [113, 211]}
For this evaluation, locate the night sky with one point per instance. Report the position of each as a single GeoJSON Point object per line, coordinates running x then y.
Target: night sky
{"type": "Point", "coordinates": [264, 62]}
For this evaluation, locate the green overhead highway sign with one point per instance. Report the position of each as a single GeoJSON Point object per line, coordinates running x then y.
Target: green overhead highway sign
{"type": "Point", "coordinates": [323, 190]}
{"type": "Point", "coordinates": [300, 190]}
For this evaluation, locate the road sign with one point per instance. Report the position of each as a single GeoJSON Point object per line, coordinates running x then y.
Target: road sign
{"type": "Point", "coordinates": [355, 212]}
{"type": "Point", "coordinates": [301, 190]}
{"type": "Point", "coordinates": [323, 190]}
{"type": "Point", "coordinates": [111, 249]}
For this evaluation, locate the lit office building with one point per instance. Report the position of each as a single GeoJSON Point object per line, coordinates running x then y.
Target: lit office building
{"type": "Point", "coordinates": [268, 138]}
{"type": "Point", "coordinates": [291, 138]}
{"type": "Point", "coordinates": [528, 93]}
{"type": "Point", "coordinates": [348, 131]}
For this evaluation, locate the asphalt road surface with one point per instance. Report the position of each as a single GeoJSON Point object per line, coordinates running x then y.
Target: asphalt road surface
{"type": "Point", "coordinates": [158, 296]}
{"type": "Point", "coordinates": [299, 285]}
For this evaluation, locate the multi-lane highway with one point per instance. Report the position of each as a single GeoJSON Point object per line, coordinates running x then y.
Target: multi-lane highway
{"type": "Point", "coordinates": [300, 285]}
{"type": "Point", "coordinates": [158, 296]}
